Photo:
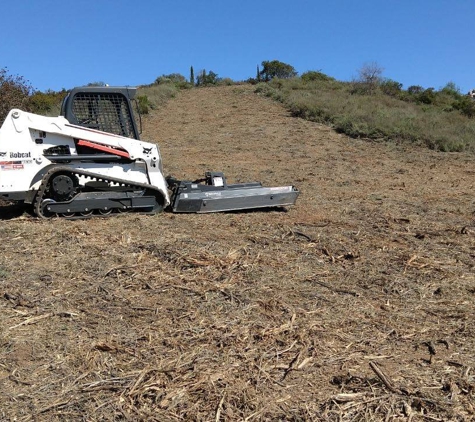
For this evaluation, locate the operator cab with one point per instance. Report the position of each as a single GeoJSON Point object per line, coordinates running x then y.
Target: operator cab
{"type": "Point", "coordinates": [103, 108]}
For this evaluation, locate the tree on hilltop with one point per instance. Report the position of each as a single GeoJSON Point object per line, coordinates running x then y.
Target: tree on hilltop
{"type": "Point", "coordinates": [276, 69]}
{"type": "Point", "coordinates": [204, 79]}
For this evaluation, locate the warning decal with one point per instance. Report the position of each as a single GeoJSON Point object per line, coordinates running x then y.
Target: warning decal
{"type": "Point", "coordinates": [11, 165]}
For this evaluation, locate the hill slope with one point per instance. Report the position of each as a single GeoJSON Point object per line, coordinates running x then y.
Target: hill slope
{"type": "Point", "coordinates": [250, 137]}
{"type": "Point", "coordinates": [251, 316]}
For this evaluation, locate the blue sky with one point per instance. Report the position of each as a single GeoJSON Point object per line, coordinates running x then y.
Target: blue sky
{"type": "Point", "coordinates": [65, 43]}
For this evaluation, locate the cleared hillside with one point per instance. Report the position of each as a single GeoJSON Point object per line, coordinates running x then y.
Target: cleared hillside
{"type": "Point", "coordinates": [356, 304]}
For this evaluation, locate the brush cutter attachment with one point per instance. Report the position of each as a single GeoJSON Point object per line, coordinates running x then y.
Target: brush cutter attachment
{"type": "Point", "coordinates": [213, 194]}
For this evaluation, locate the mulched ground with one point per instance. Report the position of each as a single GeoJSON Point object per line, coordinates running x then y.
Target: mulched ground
{"type": "Point", "coordinates": [356, 304]}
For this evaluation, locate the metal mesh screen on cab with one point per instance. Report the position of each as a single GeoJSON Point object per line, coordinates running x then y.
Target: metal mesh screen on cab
{"type": "Point", "coordinates": [105, 112]}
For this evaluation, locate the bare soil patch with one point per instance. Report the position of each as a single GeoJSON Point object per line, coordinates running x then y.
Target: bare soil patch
{"type": "Point", "coordinates": [356, 304]}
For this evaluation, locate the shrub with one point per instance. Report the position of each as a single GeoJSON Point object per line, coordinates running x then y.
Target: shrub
{"type": "Point", "coordinates": [143, 104]}
{"type": "Point", "coordinates": [316, 76]}
{"type": "Point", "coordinates": [415, 89]}
{"type": "Point", "coordinates": [452, 90]}
{"type": "Point", "coordinates": [269, 91]}
{"type": "Point", "coordinates": [14, 93]}
{"type": "Point", "coordinates": [155, 95]}
{"type": "Point", "coordinates": [421, 95]}
{"type": "Point", "coordinates": [174, 79]}
{"type": "Point", "coordinates": [390, 87]}
{"type": "Point", "coordinates": [465, 105]}
{"type": "Point", "coordinates": [171, 78]}
{"type": "Point", "coordinates": [361, 88]}
{"type": "Point", "coordinates": [46, 103]}
{"type": "Point", "coordinates": [225, 81]}
{"type": "Point", "coordinates": [427, 96]}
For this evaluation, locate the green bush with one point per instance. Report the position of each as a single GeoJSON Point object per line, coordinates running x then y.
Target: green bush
{"type": "Point", "coordinates": [452, 90]}
{"type": "Point", "coordinates": [14, 93]}
{"type": "Point", "coordinates": [390, 87]}
{"type": "Point", "coordinates": [143, 104]}
{"type": "Point", "coordinates": [156, 95]}
{"type": "Point", "coordinates": [17, 92]}
{"type": "Point", "coordinates": [252, 81]}
{"type": "Point", "coordinates": [171, 78]}
{"type": "Point", "coordinates": [47, 103]}
{"type": "Point", "coordinates": [466, 105]}
{"type": "Point", "coordinates": [225, 81]}
{"type": "Point", "coordinates": [313, 76]}
{"type": "Point", "coordinates": [427, 96]}
{"type": "Point", "coordinates": [415, 89]}
{"type": "Point", "coordinates": [175, 79]}
{"type": "Point", "coordinates": [361, 88]}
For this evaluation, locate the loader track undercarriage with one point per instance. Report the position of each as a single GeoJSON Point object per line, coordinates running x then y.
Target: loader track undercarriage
{"type": "Point", "coordinates": [60, 195]}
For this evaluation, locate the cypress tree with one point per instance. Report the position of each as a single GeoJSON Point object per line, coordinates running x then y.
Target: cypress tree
{"type": "Point", "coordinates": [192, 76]}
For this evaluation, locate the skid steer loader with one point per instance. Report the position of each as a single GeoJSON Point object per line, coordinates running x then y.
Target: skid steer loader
{"type": "Point", "coordinates": [90, 161]}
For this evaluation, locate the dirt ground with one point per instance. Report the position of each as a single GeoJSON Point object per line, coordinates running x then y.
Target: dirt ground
{"type": "Point", "coordinates": [355, 304]}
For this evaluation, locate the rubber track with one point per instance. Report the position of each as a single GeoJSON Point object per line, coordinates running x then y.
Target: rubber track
{"type": "Point", "coordinates": [44, 184]}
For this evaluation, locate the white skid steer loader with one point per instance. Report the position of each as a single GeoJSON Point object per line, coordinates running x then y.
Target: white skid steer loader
{"type": "Point", "coordinates": [90, 161]}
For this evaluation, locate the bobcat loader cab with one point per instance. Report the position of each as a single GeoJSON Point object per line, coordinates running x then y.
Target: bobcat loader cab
{"type": "Point", "coordinates": [90, 161]}
{"type": "Point", "coordinates": [108, 109]}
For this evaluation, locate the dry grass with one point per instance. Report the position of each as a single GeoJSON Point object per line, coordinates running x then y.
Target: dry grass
{"type": "Point", "coordinates": [356, 304]}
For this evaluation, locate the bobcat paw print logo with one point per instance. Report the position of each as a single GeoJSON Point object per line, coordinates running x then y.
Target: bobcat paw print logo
{"type": "Point", "coordinates": [145, 150]}
{"type": "Point", "coordinates": [2, 154]}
